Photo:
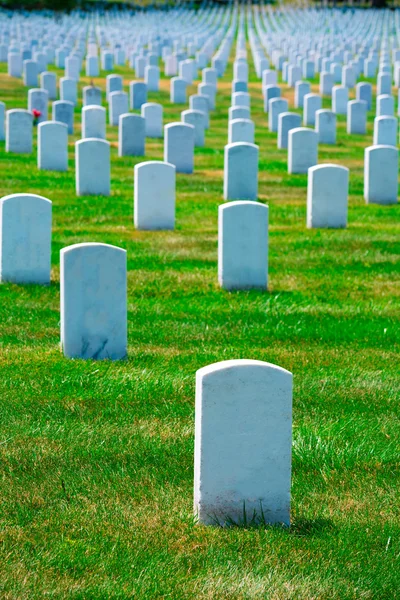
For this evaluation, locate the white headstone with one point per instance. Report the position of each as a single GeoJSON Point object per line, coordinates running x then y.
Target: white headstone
{"type": "Point", "coordinates": [243, 442]}
{"type": "Point", "coordinates": [154, 195]}
{"type": "Point", "coordinates": [381, 165]}
{"type": "Point", "coordinates": [179, 146]}
{"type": "Point", "coordinates": [327, 196]}
{"type": "Point", "coordinates": [131, 135]}
{"type": "Point", "coordinates": [153, 116]}
{"type": "Point", "coordinates": [25, 239]}
{"type": "Point", "coordinates": [286, 122]}
{"type": "Point", "coordinates": [241, 171]}
{"type": "Point", "coordinates": [93, 292]}
{"type": "Point", "coordinates": [94, 122]}
{"type": "Point", "coordinates": [19, 131]}
{"type": "Point", "coordinates": [92, 167]}
{"type": "Point", "coordinates": [243, 245]}
{"type": "Point", "coordinates": [53, 146]}
{"type": "Point", "coordinates": [325, 126]}
{"type": "Point", "coordinates": [302, 150]}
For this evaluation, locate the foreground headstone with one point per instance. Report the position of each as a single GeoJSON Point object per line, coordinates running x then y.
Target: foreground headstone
{"type": "Point", "coordinates": [131, 135]}
{"type": "Point", "coordinates": [19, 131]}
{"type": "Point", "coordinates": [302, 150]}
{"type": "Point", "coordinates": [93, 292]}
{"type": "Point", "coordinates": [91, 96]}
{"type": "Point", "coordinates": [243, 245]}
{"type": "Point", "coordinates": [327, 196]}
{"type": "Point", "coordinates": [25, 239]}
{"type": "Point", "coordinates": [243, 441]}
{"type": "Point", "coordinates": [381, 175]}
{"type": "Point", "coordinates": [241, 171]}
{"type": "Point", "coordinates": [68, 90]}
{"type": "Point", "coordinates": [179, 146]}
{"type": "Point", "coordinates": [154, 195]}
{"type": "Point", "coordinates": [92, 167]}
{"type": "Point", "coordinates": [53, 146]}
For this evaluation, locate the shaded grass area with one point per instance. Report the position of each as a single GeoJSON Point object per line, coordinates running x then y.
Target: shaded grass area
{"type": "Point", "coordinates": [97, 458]}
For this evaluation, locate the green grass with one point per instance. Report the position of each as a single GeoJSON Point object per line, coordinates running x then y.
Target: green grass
{"type": "Point", "coordinates": [97, 458]}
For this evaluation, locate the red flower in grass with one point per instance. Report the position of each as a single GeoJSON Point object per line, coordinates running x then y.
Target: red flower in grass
{"type": "Point", "coordinates": [36, 115]}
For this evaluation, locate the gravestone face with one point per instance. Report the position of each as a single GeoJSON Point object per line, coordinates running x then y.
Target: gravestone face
{"type": "Point", "coordinates": [38, 100]}
{"type": "Point", "coordinates": [186, 71]}
{"type": "Point", "coordinates": [239, 86]}
{"type": "Point", "coordinates": [92, 66]}
{"type": "Point", "coordinates": [137, 94]}
{"type": "Point", "coordinates": [152, 78]}
{"type": "Point", "coordinates": [340, 98]}
{"type": "Point", "coordinates": [107, 61]}
{"type": "Point", "coordinates": [53, 146]}
{"type": "Point", "coordinates": [275, 108]}
{"type": "Point", "coordinates": [14, 65]}
{"type": "Point", "coordinates": [118, 105]}
{"type": "Point", "coordinates": [171, 66]}
{"type": "Point", "coordinates": [243, 440]}
{"type": "Point", "coordinates": [269, 78]}
{"type": "Point", "coordinates": [364, 92]}
{"type": "Point", "coordinates": [325, 126]}
{"type": "Point", "coordinates": [270, 91]}
{"type": "Point", "coordinates": [381, 175]}
{"type": "Point", "coordinates": [131, 135]}
{"type": "Point", "coordinates": [385, 106]}
{"type": "Point", "coordinates": [63, 112]}
{"type": "Point", "coordinates": [94, 122]}
{"type": "Point", "coordinates": [348, 77]}
{"type": "Point", "coordinates": [241, 171]}
{"type": "Point", "coordinates": [326, 83]}
{"type": "Point", "coordinates": [72, 68]}
{"type": "Point", "coordinates": [195, 118]}
{"type": "Point", "coordinates": [241, 130]}
{"type": "Point", "coordinates": [114, 83]}
{"type": "Point", "coordinates": [93, 301]}
{"type": "Point", "coordinates": [179, 146]}
{"type": "Point", "coordinates": [92, 167]}
{"type": "Point", "coordinates": [19, 131]}
{"type": "Point", "coordinates": [385, 131]}
{"type": "Point", "coordinates": [308, 69]}
{"type": "Point", "coordinates": [312, 103]}
{"type": "Point", "coordinates": [241, 71]}
{"type": "Point", "coordinates": [302, 150]}
{"type": "Point", "coordinates": [302, 88]}
{"type": "Point", "coordinates": [69, 90]}
{"type": "Point", "coordinates": [30, 73]}
{"type": "Point", "coordinates": [91, 96]}
{"type": "Point", "coordinates": [48, 82]}
{"type": "Point", "coordinates": [357, 117]}
{"type": "Point", "coordinates": [384, 84]}
{"type": "Point", "coordinates": [25, 239]}
{"type": "Point", "coordinates": [327, 196]}
{"type": "Point", "coordinates": [200, 102]}
{"type": "Point", "coordinates": [2, 121]}
{"type": "Point", "coordinates": [60, 58]}
{"type": "Point", "coordinates": [154, 195]}
{"type": "Point", "coordinates": [140, 65]}
{"type": "Point", "coordinates": [153, 116]}
{"type": "Point", "coordinates": [286, 122]}
{"type": "Point", "coordinates": [178, 90]}
{"type": "Point", "coordinates": [206, 89]}
{"type": "Point", "coordinates": [241, 99]}
{"type": "Point", "coordinates": [238, 112]}
{"type": "Point", "coordinates": [243, 245]}
{"type": "Point", "coordinates": [294, 75]}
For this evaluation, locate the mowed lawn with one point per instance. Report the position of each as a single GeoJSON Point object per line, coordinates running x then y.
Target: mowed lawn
{"type": "Point", "coordinates": [97, 457]}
